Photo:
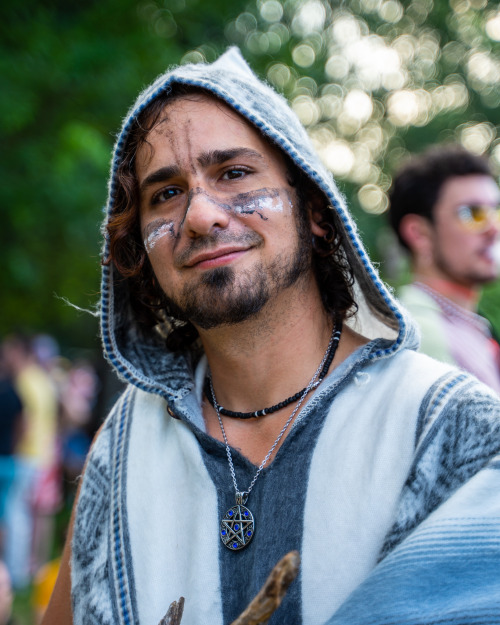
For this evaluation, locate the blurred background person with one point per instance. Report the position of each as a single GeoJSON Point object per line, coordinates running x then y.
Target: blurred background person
{"type": "Point", "coordinates": [10, 430]}
{"type": "Point", "coordinates": [78, 392]}
{"type": "Point", "coordinates": [6, 596]}
{"type": "Point", "coordinates": [444, 208]}
{"type": "Point", "coordinates": [35, 492]}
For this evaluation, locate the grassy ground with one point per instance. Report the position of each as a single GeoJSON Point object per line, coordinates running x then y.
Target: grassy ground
{"type": "Point", "coordinates": [23, 610]}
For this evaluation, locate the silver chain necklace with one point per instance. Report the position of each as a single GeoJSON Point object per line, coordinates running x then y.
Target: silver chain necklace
{"type": "Point", "coordinates": [237, 526]}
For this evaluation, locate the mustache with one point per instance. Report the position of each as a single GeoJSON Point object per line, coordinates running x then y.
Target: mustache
{"type": "Point", "coordinates": [214, 240]}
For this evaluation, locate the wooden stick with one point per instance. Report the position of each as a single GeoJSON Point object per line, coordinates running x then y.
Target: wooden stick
{"type": "Point", "coordinates": [174, 614]}
{"type": "Point", "coordinates": [263, 605]}
{"type": "Point", "coordinates": [270, 596]}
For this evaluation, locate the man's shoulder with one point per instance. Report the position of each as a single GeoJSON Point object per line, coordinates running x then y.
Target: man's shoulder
{"type": "Point", "coordinates": [430, 321]}
{"type": "Point", "coordinates": [421, 368]}
{"type": "Point", "coordinates": [414, 368]}
{"type": "Point", "coordinates": [415, 299]}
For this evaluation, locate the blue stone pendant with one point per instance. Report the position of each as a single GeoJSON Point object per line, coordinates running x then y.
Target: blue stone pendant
{"type": "Point", "coordinates": [237, 527]}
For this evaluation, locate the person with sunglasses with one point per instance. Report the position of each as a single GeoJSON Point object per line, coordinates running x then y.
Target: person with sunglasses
{"type": "Point", "coordinates": [444, 208]}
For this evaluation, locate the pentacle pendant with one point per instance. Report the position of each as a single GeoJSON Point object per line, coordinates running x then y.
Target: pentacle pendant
{"type": "Point", "coordinates": [237, 527]}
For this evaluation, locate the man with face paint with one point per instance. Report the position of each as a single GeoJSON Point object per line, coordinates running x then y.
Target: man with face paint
{"type": "Point", "coordinates": [274, 400]}
{"type": "Point", "coordinates": [444, 208]}
{"type": "Point", "coordinates": [227, 191]}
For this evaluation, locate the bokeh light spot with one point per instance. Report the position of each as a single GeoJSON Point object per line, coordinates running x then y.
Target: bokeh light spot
{"type": "Point", "coordinates": [477, 137]}
{"type": "Point", "coordinates": [271, 10]}
{"type": "Point", "coordinates": [391, 11]}
{"type": "Point", "coordinates": [373, 199]}
{"type": "Point", "coordinates": [493, 27]}
{"type": "Point", "coordinates": [279, 74]}
{"type": "Point", "coordinates": [338, 157]}
{"type": "Point", "coordinates": [303, 55]}
{"type": "Point", "coordinates": [345, 29]}
{"type": "Point", "coordinates": [246, 23]}
{"type": "Point", "coordinates": [402, 107]}
{"type": "Point", "coordinates": [193, 56]}
{"type": "Point", "coordinates": [309, 18]}
{"type": "Point", "coordinates": [495, 155]}
{"type": "Point", "coordinates": [306, 109]}
{"type": "Point", "coordinates": [358, 105]}
{"type": "Point", "coordinates": [337, 67]}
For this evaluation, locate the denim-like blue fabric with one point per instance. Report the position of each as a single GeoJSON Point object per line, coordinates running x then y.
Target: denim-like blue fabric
{"type": "Point", "coordinates": [277, 503]}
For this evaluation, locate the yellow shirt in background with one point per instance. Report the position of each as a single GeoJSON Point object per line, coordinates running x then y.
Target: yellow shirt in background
{"type": "Point", "coordinates": [39, 399]}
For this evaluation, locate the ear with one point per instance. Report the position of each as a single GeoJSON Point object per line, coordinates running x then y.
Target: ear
{"type": "Point", "coordinates": [316, 207]}
{"type": "Point", "coordinates": [417, 232]}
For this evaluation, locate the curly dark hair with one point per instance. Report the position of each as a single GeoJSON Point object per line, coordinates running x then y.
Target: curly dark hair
{"type": "Point", "coordinates": [416, 186]}
{"type": "Point", "coordinates": [129, 257]}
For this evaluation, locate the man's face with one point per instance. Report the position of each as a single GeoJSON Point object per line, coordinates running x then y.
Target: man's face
{"type": "Point", "coordinates": [217, 214]}
{"type": "Point", "coordinates": [462, 252]}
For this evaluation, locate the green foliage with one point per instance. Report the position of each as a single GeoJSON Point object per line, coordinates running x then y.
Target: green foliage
{"type": "Point", "coordinates": [70, 71]}
{"type": "Point", "coordinates": [372, 80]}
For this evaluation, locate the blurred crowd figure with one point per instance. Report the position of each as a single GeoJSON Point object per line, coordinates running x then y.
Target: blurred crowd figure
{"type": "Point", "coordinates": [46, 421]}
{"type": "Point", "coordinates": [34, 495]}
{"type": "Point", "coordinates": [6, 596]}
{"type": "Point", "coordinates": [444, 208]}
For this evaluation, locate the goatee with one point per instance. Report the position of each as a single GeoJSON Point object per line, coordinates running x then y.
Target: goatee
{"type": "Point", "coordinates": [224, 296]}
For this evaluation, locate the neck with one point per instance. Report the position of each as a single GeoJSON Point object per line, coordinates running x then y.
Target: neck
{"type": "Point", "coordinates": [465, 296]}
{"type": "Point", "coordinates": [263, 360]}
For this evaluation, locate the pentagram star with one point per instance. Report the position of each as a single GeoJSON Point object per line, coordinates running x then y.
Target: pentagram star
{"type": "Point", "coordinates": [237, 527]}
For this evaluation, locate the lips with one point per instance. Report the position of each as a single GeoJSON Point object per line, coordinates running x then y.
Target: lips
{"type": "Point", "coordinates": [214, 255]}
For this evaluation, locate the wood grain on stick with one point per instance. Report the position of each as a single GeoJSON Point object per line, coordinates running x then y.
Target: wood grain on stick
{"type": "Point", "coordinates": [174, 614]}
{"type": "Point", "coordinates": [263, 605]}
{"type": "Point", "coordinates": [269, 597]}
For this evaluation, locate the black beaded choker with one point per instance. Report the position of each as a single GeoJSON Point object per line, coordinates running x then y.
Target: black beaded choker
{"type": "Point", "coordinates": [285, 402]}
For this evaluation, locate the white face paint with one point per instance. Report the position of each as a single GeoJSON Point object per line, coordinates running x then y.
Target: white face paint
{"type": "Point", "coordinates": [262, 204]}
{"type": "Point", "coordinates": [259, 203]}
{"type": "Point", "coordinates": [159, 231]}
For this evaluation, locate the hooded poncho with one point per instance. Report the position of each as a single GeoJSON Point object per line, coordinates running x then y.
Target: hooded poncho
{"type": "Point", "coordinates": [387, 483]}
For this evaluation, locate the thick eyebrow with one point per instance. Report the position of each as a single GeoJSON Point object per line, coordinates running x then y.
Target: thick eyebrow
{"type": "Point", "coordinates": [160, 175]}
{"type": "Point", "coordinates": [217, 157]}
{"type": "Point", "coordinates": [213, 157]}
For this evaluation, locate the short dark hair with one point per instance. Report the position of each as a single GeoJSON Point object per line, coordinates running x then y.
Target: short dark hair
{"type": "Point", "coordinates": [416, 186]}
{"type": "Point", "coordinates": [126, 248]}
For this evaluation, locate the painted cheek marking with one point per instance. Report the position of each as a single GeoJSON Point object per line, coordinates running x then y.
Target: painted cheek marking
{"type": "Point", "coordinates": [290, 200]}
{"type": "Point", "coordinates": [258, 202]}
{"type": "Point", "coordinates": [259, 205]}
{"type": "Point", "coordinates": [156, 231]}
{"type": "Point", "coordinates": [271, 204]}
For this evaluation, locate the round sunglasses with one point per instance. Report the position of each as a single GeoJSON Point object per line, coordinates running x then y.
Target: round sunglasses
{"type": "Point", "coordinates": [478, 217]}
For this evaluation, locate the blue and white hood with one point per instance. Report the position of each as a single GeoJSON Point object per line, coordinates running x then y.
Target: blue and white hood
{"type": "Point", "coordinates": [135, 356]}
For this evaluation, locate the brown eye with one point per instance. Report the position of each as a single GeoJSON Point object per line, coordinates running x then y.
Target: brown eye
{"type": "Point", "coordinates": [164, 195]}
{"type": "Point", "coordinates": [234, 173]}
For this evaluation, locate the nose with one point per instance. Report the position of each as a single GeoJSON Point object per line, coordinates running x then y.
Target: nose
{"type": "Point", "coordinates": [493, 224]}
{"type": "Point", "coordinates": [204, 213]}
